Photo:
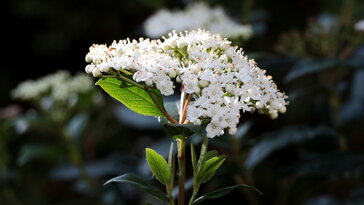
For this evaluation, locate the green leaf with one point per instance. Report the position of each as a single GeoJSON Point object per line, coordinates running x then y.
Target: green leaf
{"type": "Point", "coordinates": [276, 140]}
{"type": "Point", "coordinates": [209, 168]}
{"type": "Point", "coordinates": [140, 183]}
{"type": "Point", "coordinates": [306, 67]}
{"type": "Point", "coordinates": [223, 192]}
{"type": "Point", "coordinates": [133, 97]}
{"type": "Point", "coordinates": [202, 153]}
{"type": "Point", "coordinates": [183, 129]}
{"type": "Point", "coordinates": [206, 156]}
{"type": "Point", "coordinates": [159, 166]}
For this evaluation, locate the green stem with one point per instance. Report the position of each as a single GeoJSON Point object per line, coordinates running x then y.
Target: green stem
{"type": "Point", "coordinates": [123, 78]}
{"type": "Point", "coordinates": [126, 72]}
{"type": "Point", "coordinates": [181, 144]}
{"type": "Point", "coordinates": [196, 185]}
{"type": "Point", "coordinates": [161, 108]}
{"type": "Point", "coordinates": [169, 195]}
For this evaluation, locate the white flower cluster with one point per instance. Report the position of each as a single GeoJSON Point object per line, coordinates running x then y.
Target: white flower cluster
{"type": "Point", "coordinates": [144, 58]}
{"type": "Point", "coordinates": [59, 87]}
{"type": "Point", "coordinates": [220, 78]}
{"type": "Point", "coordinates": [196, 15]}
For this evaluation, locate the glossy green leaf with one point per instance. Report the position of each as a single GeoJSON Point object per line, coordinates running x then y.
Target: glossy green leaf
{"type": "Point", "coordinates": [206, 156]}
{"type": "Point", "coordinates": [209, 168]}
{"type": "Point", "coordinates": [159, 166]}
{"type": "Point", "coordinates": [140, 183]}
{"type": "Point", "coordinates": [223, 192]}
{"type": "Point", "coordinates": [132, 97]}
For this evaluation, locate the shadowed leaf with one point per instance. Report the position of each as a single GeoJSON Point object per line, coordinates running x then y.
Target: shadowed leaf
{"type": "Point", "coordinates": [223, 192]}
{"type": "Point", "coordinates": [140, 183]}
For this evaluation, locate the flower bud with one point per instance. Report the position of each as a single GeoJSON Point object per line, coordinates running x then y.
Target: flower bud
{"type": "Point", "coordinates": [196, 68]}
{"type": "Point", "coordinates": [283, 109]}
{"type": "Point", "coordinates": [181, 44]}
{"type": "Point", "coordinates": [96, 73]}
{"type": "Point", "coordinates": [259, 105]}
{"type": "Point", "coordinates": [275, 105]}
{"type": "Point", "coordinates": [172, 74]}
{"type": "Point", "coordinates": [224, 46]}
{"type": "Point", "coordinates": [149, 82]}
{"type": "Point", "coordinates": [197, 122]}
{"type": "Point", "coordinates": [273, 114]}
{"type": "Point", "coordinates": [89, 69]}
{"type": "Point", "coordinates": [88, 58]}
{"type": "Point", "coordinates": [105, 68]}
{"type": "Point", "coordinates": [233, 130]}
{"type": "Point", "coordinates": [203, 83]}
{"type": "Point", "coordinates": [178, 79]}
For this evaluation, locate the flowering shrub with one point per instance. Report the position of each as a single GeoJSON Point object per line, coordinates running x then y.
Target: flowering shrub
{"type": "Point", "coordinates": [63, 103]}
{"type": "Point", "coordinates": [196, 15]}
{"type": "Point", "coordinates": [216, 81]}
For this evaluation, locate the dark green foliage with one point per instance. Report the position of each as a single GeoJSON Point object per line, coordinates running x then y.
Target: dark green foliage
{"type": "Point", "coordinates": [140, 183]}
{"type": "Point", "coordinates": [223, 192]}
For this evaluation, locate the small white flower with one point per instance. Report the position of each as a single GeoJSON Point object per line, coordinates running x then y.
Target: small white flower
{"type": "Point", "coordinates": [191, 86]}
{"type": "Point", "coordinates": [213, 129]}
{"type": "Point", "coordinates": [233, 130]}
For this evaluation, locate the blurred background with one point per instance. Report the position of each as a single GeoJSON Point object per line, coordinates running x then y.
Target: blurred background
{"type": "Point", "coordinates": [61, 137]}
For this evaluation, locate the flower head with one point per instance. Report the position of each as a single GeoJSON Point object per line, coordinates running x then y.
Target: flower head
{"type": "Point", "coordinates": [222, 81]}
{"type": "Point", "coordinates": [196, 15]}
{"type": "Point", "coordinates": [59, 87]}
